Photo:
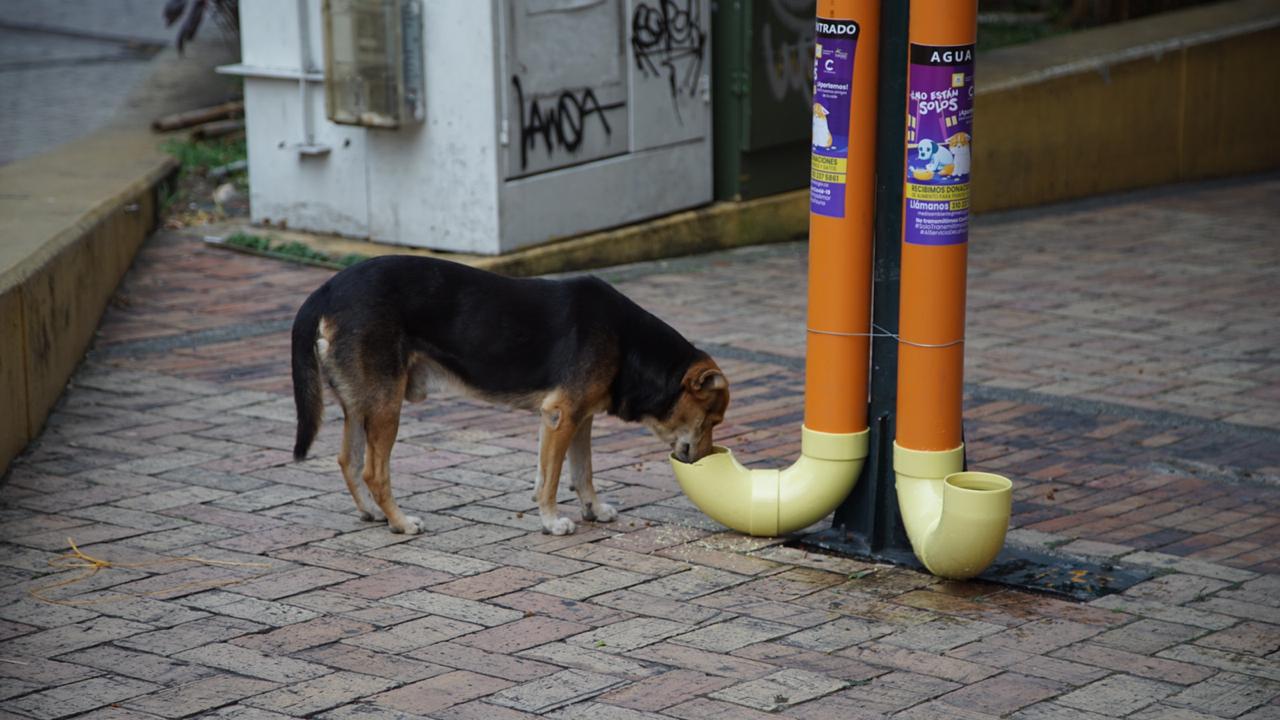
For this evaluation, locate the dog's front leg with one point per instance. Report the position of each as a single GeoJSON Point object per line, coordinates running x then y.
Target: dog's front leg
{"type": "Point", "coordinates": [555, 438]}
{"type": "Point", "coordinates": [580, 474]}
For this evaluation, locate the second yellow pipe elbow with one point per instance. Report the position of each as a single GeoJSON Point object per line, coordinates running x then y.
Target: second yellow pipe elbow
{"type": "Point", "coordinates": [956, 521]}
{"type": "Point", "coordinates": [768, 503]}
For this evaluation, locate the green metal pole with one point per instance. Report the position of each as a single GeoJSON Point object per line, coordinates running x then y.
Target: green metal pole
{"type": "Point", "coordinates": [869, 517]}
{"type": "Point", "coordinates": [731, 93]}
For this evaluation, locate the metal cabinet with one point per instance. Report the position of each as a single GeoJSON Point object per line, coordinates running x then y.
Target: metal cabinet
{"type": "Point", "coordinates": [764, 96]}
{"type": "Point", "coordinates": [542, 119]}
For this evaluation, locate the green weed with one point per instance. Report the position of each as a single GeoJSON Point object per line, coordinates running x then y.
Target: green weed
{"type": "Point", "coordinates": [200, 155]}
{"type": "Point", "coordinates": [168, 191]}
{"type": "Point", "coordinates": [351, 259]}
{"type": "Point", "coordinates": [251, 242]}
{"type": "Point", "coordinates": [294, 251]}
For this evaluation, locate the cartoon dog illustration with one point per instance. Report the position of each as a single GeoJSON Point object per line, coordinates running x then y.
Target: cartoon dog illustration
{"type": "Point", "coordinates": [959, 146]}
{"type": "Point", "coordinates": [821, 133]}
{"type": "Point", "coordinates": [938, 159]}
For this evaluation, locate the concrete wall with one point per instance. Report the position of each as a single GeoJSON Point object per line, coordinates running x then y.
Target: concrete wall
{"type": "Point", "coordinates": [1177, 97]}
{"type": "Point", "coordinates": [72, 221]}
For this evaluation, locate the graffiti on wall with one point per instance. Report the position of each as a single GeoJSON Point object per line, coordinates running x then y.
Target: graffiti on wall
{"type": "Point", "coordinates": [786, 40]}
{"type": "Point", "coordinates": [563, 122]}
{"type": "Point", "coordinates": [668, 41]}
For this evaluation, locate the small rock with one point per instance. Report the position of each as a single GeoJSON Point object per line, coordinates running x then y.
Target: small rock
{"type": "Point", "coordinates": [225, 193]}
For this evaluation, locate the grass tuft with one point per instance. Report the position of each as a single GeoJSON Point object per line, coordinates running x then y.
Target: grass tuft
{"type": "Point", "coordinates": [294, 251]}
{"type": "Point", "coordinates": [198, 156]}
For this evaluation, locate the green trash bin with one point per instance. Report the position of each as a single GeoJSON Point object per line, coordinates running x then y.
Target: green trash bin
{"type": "Point", "coordinates": [763, 95]}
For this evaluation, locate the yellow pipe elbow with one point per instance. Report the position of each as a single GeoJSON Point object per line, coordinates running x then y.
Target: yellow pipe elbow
{"type": "Point", "coordinates": [768, 503]}
{"type": "Point", "coordinates": [955, 520]}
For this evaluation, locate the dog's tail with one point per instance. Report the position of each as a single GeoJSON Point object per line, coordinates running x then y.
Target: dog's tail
{"type": "Point", "coordinates": [308, 393]}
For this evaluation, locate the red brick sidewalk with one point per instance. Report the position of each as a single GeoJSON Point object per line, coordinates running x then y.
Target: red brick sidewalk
{"type": "Point", "coordinates": [1123, 371]}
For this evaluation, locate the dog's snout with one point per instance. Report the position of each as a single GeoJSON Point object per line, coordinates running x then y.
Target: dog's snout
{"type": "Point", "coordinates": [683, 452]}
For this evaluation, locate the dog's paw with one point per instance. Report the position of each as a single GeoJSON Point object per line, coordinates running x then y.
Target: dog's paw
{"type": "Point", "coordinates": [412, 526]}
{"type": "Point", "coordinates": [371, 515]}
{"type": "Point", "coordinates": [558, 525]}
{"type": "Point", "coordinates": [604, 512]}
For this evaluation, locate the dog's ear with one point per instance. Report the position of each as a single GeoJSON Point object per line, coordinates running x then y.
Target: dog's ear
{"type": "Point", "coordinates": [709, 379]}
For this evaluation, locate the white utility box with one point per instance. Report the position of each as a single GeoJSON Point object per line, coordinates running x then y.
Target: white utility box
{"type": "Point", "coordinates": [477, 126]}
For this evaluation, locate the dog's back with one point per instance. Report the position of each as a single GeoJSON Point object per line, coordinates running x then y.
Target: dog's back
{"type": "Point", "coordinates": [506, 339]}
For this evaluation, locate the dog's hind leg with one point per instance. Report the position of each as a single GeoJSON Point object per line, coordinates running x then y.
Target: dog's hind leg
{"type": "Point", "coordinates": [415, 390]}
{"type": "Point", "coordinates": [580, 474]}
{"type": "Point", "coordinates": [381, 426]}
{"type": "Point", "coordinates": [351, 460]}
{"type": "Point", "coordinates": [554, 441]}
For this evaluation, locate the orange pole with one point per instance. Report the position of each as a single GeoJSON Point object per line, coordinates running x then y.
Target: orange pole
{"type": "Point", "coordinates": [842, 194]}
{"type": "Point", "coordinates": [935, 223]}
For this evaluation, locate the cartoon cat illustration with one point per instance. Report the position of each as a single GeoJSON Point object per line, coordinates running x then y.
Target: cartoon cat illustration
{"type": "Point", "coordinates": [821, 133]}
{"type": "Point", "coordinates": [959, 145]}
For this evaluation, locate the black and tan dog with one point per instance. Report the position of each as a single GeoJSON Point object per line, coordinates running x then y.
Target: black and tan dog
{"type": "Point", "coordinates": [381, 332]}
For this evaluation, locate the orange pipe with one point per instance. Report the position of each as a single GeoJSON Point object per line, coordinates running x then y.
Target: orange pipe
{"type": "Point", "coordinates": [930, 379]}
{"type": "Point", "coordinates": [840, 247]}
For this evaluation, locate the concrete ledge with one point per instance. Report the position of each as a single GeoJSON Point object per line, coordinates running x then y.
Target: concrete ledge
{"type": "Point", "coordinates": [72, 220]}
{"type": "Point", "coordinates": [1169, 98]}
{"type": "Point", "coordinates": [718, 226]}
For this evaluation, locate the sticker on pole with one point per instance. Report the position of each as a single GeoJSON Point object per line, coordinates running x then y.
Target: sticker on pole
{"type": "Point", "coordinates": [939, 136]}
{"type": "Point", "coordinates": [834, 44]}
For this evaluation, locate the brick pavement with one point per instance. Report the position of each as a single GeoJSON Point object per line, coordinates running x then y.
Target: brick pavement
{"type": "Point", "coordinates": [1123, 370]}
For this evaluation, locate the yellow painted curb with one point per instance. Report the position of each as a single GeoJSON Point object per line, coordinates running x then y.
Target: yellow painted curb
{"type": "Point", "coordinates": [72, 220]}
{"type": "Point", "coordinates": [720, 226]}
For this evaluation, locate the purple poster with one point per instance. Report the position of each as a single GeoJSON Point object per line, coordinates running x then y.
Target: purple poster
{"type": "Point", "coordinates": [834, 45]}
{"type": "Point", "coordinates": [939, 135]}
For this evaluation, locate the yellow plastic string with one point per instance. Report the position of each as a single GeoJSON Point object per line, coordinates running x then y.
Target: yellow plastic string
{"type": "Point", "coordinates": [77, 559]}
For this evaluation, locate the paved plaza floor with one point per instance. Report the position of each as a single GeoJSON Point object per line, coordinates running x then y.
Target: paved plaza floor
{"type": "Point", "coordinates": [1123, 369]}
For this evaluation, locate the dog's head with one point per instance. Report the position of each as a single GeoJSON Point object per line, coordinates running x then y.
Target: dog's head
{"type": "Point", "coordinates": [703, 399]}
{"type": "Point", "coordinates": [960, 139]}
{"type": "Point", "coordinates": [926, 149]}
{"type": "Point", "coordinates": [820, 112]}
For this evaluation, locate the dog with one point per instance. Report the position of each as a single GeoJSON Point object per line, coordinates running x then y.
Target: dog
{"type": "Point", "coordinates": [821, 131]}
{"type": "Point", "coordinates": [383, 331]}
{"type": "Point", "coordinates": [937, 157]}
